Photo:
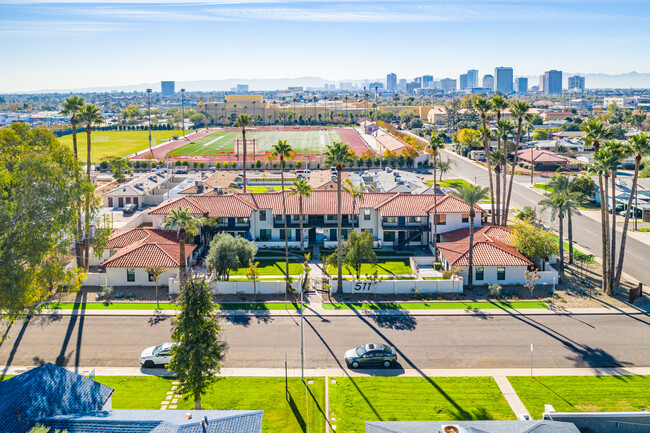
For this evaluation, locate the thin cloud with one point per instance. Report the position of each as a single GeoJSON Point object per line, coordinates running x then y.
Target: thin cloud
{"type": "Point", "coordinates": [39, 28]}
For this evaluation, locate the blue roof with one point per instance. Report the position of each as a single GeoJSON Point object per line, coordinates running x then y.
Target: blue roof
{"type": "Point", "coordinates": [158, 421]}
{"type": "Point", "coordinates": [47, 391]}
{"type": "Point", "coordinates": [472, 426]}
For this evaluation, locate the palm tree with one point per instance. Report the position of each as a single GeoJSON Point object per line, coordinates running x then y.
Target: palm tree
{"type": "Point", "coordinates": [346, 107]}
{"type": "Point", "coordinates": [471, 195]}
{"type": "Point", "coordinates": [483, 106]}
{"type": "Point", "coordinates": [243, 121]}
{"type": "Point", "coordinates": [619, 151]}
{"type": "Point", "coordinates": [283, 151]}
{"type": "Point", "coordinates": [302, 189]}
{"type": "Point", "coordinates": [444, 166]}
{"type": "Point", "coordinates": [518, 109]}
{"type": "Point", "coordinates": [497, 159]}
{"type": "Point", "coordinates": [356, 192]}
{"type": "Point", "coordinates": [560, 204]}
{"type": "Point", "coordinates": [72, 107]}
{"type": "Point", "coordinates": [595, 132]}
{"type": "Point", "coordinates": [640, 145]}
{"type": "Point", "coordinates": [562, 184]}
{"type": "Point", "coordinates": [186, 225]}
{"type": "Point", "coordinates": [436, 144]}
{"type": "Point", "coordinates": [89, 115]}
{"type": "Point", "coordinates": [505, 129]}
{"type": "Point", "coordinates": [338, 155]}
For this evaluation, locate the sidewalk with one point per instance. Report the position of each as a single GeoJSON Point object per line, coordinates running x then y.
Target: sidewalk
{"type": "Point", "coordinates": [316, 310]}
{"type": "Point", "coordinates": [339, 372]}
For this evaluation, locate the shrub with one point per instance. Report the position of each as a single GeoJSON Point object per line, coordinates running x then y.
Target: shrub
{"type": "Point", "coordinates": [233, 164]}
{"type": "Point", "coordinates": [495, 290]}
{"type": "Point", "coordinates": [195, 164]}
{"type": "Point", "coordinates": [103, 165]}
{"type": "Point", "coordinates": [177, 163]}
{"type": "Point", "coordinates": [202, 165]}
{"type": "Point", "coordinates": [258, 164]}
{"type": "Point", "coordinates": [185, 163]}
{"type": "Point", "coordinates": [298, 164]}
{"type": "Point", "coordinates": [107, 292]}
{"type": "Point", "coordinates": [218, 165]}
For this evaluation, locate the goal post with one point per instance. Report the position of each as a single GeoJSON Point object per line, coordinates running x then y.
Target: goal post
{"type": "Point", "coordinates": [251, 146]}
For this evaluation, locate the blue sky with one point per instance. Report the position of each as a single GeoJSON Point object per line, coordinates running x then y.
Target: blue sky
{"type": "Point", "coordinates": [70, 44]}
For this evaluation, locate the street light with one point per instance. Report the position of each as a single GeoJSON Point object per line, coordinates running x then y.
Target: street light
{"type": "Point", "coordinates": [183, 109]}
{"type": "Point", "coordinates": [149, 110]}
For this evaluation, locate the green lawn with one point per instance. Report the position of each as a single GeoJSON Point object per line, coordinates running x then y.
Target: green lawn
{"type": "Point", "coordinates": [274, 267]}
{"type": "Point", "coordinates": [583, 393]}
{"type": "Point", "coordinates": [433, 305]}
{"type": "Point", "coordinates": [356, 400]}
{"type": "Point", "coordinates": [384, 267]}
{"type": "Point", "coordinates": [167, 306]}
{"type": "Point", "coordinates": [223, 141]}
{"type": "Point", "coordinates": [644, 230]}
{"type": "Point", "coordinates": [268, 393]}
{"type": "Point", "coordinates": [577, 254]}
{"type": "Point", "coordinates": [137, 392]}
{"type": "Point", "coordinates": [117, 143]}
{"type": "Point", "coordinates": [450, 183]}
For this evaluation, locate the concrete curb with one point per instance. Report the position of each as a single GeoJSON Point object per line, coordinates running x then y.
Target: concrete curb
{"type": "Point", "coordinates": [320, 312]}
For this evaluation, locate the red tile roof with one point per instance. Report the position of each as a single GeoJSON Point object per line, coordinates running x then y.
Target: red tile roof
{"type": "Point", "coordinates": [142, 255]}
{"type": "Point", "coordinates": [541, 156]}
{"type": "Point", "coordinates": [490, 248]}
{"type": "Point", "coordinates": [320, 202]}
{"type": "Point", "coordinates": [123, 238]}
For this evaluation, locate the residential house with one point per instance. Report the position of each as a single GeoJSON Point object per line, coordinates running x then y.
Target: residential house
{"type": "Point", "coordinates": [520, 426]}
{"type": "Point", "coordinates": [219, 182]}
{"type": "Point", "coordinates": [437, 115]}
{"type": "Point", "coordinates": [130, 252]}
{"type": "Point", "coordinates": [493, 259]}
{"type": "Point", "coordinates": [390, 143]}
{"type": "Point", "coordinates": [63, 400]}
{"type": "Point", "coordinates": [148, 189]}
{"type": "Point", "coordinates": [561, 145]}
{"type": "Point", "coordinates": [541, 158]}
{"type": "Point", "coordinates": [325, 179]}
{"type": "Point", "coordinates": [554, 115]}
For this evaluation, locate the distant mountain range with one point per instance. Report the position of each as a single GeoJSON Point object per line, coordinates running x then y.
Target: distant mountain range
{"type": "Point", "coordinates": [593, 81]}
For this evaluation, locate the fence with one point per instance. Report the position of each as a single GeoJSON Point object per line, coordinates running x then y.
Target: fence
{"type": "Point", "coordinates": [95, 279]}
{"type": "Point", "coordinates": [241, 287]}
{"type": "Point", "coordinates": [403, 286]}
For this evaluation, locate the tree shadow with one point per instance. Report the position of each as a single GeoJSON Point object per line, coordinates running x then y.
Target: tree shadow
{"type": "Point", "coordinates": [399, 321]}
{"type": "Point", "coordinates": [246, 319]}
{"type": "Point", "coordinates": [158, 317]}
{"type": "Point", "coordinates": [77, 315]}
{"type": "Point", "coordinates": [478, 313]}
{"type": "Point", "coordinates": [14, 349]}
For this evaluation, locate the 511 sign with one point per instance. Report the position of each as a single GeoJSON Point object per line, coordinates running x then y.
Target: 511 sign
{"type": "Point", "coordinates": [363, 286]}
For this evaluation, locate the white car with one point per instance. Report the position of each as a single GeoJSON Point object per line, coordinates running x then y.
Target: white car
{"type": "Point", "coordinates": [156, 355]}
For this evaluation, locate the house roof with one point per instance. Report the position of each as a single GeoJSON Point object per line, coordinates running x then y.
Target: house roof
{"type": "Point", "coordinates": [320, 202]}
{"type": "Point", "coordinates": [126, 237]}
{"type": "Point", "coordinates": [143, 254]}
{"type": "Point", "coordinates": [139, 186]}
{"type": "Point", "coordinates": [168, 421]}
{"type": "Point", "coordinates": [388, 142]}
{"type": "Point", "coordinates": [219, 178]}
{"type": "Point", "coordinates": [540, 156]}
{"type": "Point", "coordinates": [490, 248]}
{"type": "Point", "coordinates": [47, 391]}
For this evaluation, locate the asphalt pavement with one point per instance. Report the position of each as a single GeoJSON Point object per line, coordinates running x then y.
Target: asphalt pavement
{"type": "Point", "coordinates": [586, 231]}
{"type": "Point", "coordinates": [423, 342]}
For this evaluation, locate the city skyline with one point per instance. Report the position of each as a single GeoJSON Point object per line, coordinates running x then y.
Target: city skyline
{"type": "Point", "coordinates": [122, 42]}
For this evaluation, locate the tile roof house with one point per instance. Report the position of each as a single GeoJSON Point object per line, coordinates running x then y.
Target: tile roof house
{"type": "Point", "coordinates": [217, 183]}
{"type": "Point", "coordinates": [541, 158]}
{"type": "Point", "coordinates": [494, 260]}
{"type": "Point", "coordinates": [60, 399]}
{"type": "Point", "coordinates": [129, 252]}
{"type": "Point", "coordinates": [147, 189]}
{"type": "Point", "coordinates": [393, 218]}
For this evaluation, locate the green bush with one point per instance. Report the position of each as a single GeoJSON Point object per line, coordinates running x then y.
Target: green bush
{"type": "Point", "coordinates": [258, 164]}
{"type": "Point", "coordinates": [218, 165]}
{"type": "Point", "coordinates": [195, 164]}
{"type": "Point", "coordinates": [177, 163]}
{"type": "Point", "coordinates": [202, 165]}
{"type": "Point", "coordinates": [233, 164]}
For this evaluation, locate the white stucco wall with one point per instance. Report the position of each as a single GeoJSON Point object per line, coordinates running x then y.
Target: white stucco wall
{"type": "Point", "coordinates": [117, 277]}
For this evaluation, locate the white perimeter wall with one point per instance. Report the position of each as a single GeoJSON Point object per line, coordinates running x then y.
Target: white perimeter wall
{"type": "Point", "coordinates": [402, 286]}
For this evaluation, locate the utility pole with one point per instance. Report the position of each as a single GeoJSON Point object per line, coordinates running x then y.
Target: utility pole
{"type": "Point", "coordinates": [149, 112]}
{"type": "Point", "coordinates": [183, 109]}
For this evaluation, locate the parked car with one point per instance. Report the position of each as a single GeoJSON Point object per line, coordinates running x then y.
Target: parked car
{"type": "Point", "coordinates": [156, 355]}
{"type": "Point", "coordinates": [371, 355]}
{"type": "Point", "coordinates": [129, 208]}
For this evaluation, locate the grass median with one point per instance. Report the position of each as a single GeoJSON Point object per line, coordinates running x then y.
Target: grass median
{"type": "Point", "coordinates": [356, 400]}
{"type": "Point", "coordinates": [434, 305]}
{"type": "Point", "coordinates": [583, 393]}
{"type": "Point", "coordinates": [168, 306]}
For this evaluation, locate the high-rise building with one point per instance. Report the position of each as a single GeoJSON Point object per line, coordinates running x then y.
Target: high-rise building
{"type": "Point", "coordinates": [411, 86]}
{"type": "Point", "coordinates": [521, 85]}
{"type": "Point", "coordinates": [503, 79]}
{"type": "Point", "coordinates": [402, 84]}
{"type": "Point", "coordinates": [418, 81]}
{"type": "Point", "coordinates": [553, 81]}
{"type": "Point", "coordinates": [577, 82]}
{"type": "Point", "coordinates": [168, 88]}
{"type": "Point", "coordinates": [391, 82]}
{"type": "Point", "coordinates": [472, 79]}
{"type": "Point", "coordinates": [376, 85]}
{"type": "Point", "coordinates": [462, 82]}
{"type": "Point", "coordinates": [427, 81]}
{"type": "Point", "coordinates": [448, 85]}
{"type": "Point", "coordinates": [488, 82]}
{"type": "Point", "coordinates": [241, 88]}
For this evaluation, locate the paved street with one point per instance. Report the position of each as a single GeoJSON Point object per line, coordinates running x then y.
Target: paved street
{"type": "Point", "coordinates": [422, 341]}
{"type": "Point", "coordinates": [586, 231]}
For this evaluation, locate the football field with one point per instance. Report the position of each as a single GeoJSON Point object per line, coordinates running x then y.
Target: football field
{"type": "Point", "coordinates": [312, 141]}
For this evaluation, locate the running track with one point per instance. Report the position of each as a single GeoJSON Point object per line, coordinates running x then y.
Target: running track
{"type": "Point", "coordinates": [349, 136]}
